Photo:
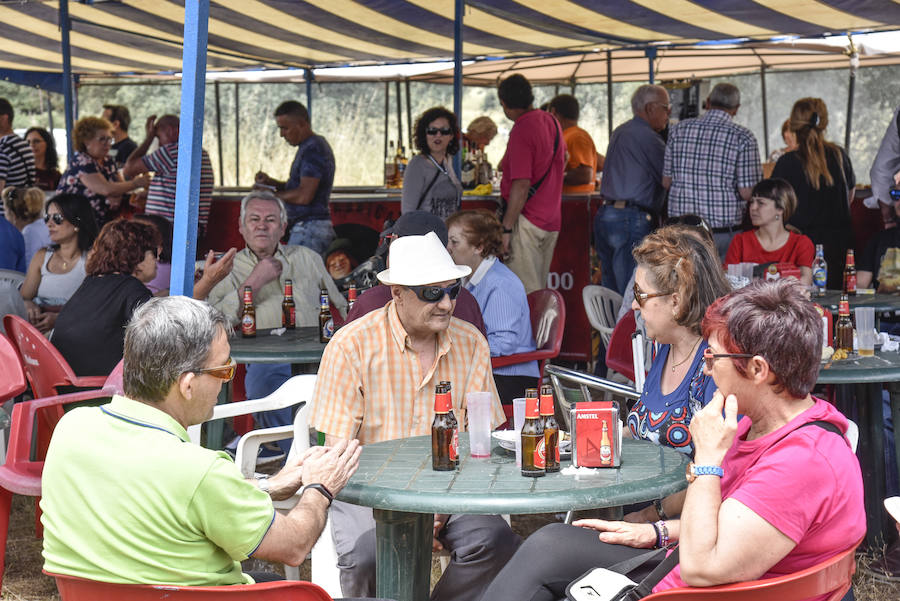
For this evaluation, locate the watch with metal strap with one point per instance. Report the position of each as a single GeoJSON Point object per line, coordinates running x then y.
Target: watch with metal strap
{"type": "Point", "coordinates": [693, 471]}
{"type": "Point", "coordinates": [322, 490]}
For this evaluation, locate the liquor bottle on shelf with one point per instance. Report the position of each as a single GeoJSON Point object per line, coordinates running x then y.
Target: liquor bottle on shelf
{"type": "Point", "coordinates": [390, 167]}
{"type": "Point", "coordinates": [326, 323]}
{"type": "Point", "coordinates": [843, 328]}
{"type": "Point", "coordinates": [850, 274]}
{"type": "Point", "coordinates": [551, 431]}
{"type": "Point", "coordinates": [401, 165]}
{"type": "Point", "coordinates": [288, 308]}
{"type": "Point", "coordinates": [468, 176]}
{"type": "Point", "coordinates": [820, 270]}
{"type": "Point", "coordinates": [444, 432]}
{"type": "Point", "coordinates": [248, 315]}
{"type": "Point", "coordinates": [533, 451]}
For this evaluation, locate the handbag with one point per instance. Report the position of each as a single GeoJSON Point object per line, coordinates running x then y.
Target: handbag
{"type": "Point", "coordinates": [611, 584]}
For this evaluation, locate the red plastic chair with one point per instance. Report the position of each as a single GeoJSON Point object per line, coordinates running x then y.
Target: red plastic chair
{"type": "Point", "coordinates": [548, 319]}
{"type": "Point", "coordinates": [72, 588]}
{"type": "Point", "coordinates": [832, 577]}
{"type": "Point", "coordinates": [619, 354]}
{"type": "Point", "coordinates": [21, 474]}
{"type": "Point", "coordinates": [12, 376]}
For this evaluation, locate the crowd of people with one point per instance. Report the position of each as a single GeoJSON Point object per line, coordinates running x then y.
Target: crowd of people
{"type": "Point", "coordinates": [730, 384]}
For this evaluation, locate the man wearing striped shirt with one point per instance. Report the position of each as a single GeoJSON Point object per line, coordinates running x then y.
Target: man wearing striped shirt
{"type": "Point", "coordinates": [16, 158]}
{"type": "Point", "coordinates": [163, 162]}
{"type": "Point", "coordinates": [376, 382]}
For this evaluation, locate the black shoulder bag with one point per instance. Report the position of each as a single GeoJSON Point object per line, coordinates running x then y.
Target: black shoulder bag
{"type": "Point", "coordinates": [532, 190]}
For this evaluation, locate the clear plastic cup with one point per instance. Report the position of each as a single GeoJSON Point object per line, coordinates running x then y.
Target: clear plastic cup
{"type": "Point", "coordinates": [865, 331]}
{"type": "Point", "coordinates": [518, 422]}
{"type": "Point", "coordinates": [478, 412]}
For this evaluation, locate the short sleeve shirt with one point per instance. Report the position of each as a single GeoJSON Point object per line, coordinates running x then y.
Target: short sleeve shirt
{"type": "Point", "coordinates": [70, 182]}
{"type": "Point", "coordinates": [371, 385]}
{"type": "Point", "coordinates": [115, 512]}
{"type": "Point", "coordinates": [314, 158]}
{"type": "Point", "coordinates": [529, 155]}
{"type": "Point", "coordinates": [161, 194]}
{"type": "Point", "coordinates": [581, 152]}
{"type": "Point", "coordinates": [16, 162]}
{"type": "Point", "coordinates": [745, 248]}
{"type": "Point", "coordinates": [882, 258]}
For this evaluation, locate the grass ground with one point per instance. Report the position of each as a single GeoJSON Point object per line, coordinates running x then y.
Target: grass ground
{"type": "Point", "coordinates": [23, 580]}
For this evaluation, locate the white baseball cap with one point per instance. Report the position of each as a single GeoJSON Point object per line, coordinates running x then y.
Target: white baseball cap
{"type": "Point", "coordinates": [420, 260]}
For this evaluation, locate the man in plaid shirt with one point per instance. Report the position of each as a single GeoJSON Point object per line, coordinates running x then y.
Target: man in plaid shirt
{"type": "Point", "coordinates": [711, 165]}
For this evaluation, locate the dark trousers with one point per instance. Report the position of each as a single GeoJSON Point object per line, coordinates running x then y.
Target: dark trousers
{"type": "Point", "coordinates": [553, 557]}
{"type": "Point", "coordinates": [513, 387]}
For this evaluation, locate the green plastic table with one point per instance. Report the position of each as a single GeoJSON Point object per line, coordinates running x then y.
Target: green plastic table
{"type": "Point", "coordinates": [883, 303]}
{"type": "Point", "coordinates": [863, 378]}
{"type": "Point", "coordinates": [395, 479]}
{"type": "Point", "coordinates": [297, 347]}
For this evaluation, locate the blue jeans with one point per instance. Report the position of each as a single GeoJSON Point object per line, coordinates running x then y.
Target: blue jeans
{"type": "Point", "coordinates": [316, 234]}
{"type": "Point", "coordinates": [616, 232]}
{"type": "Point", "coordinates": [262, 380]}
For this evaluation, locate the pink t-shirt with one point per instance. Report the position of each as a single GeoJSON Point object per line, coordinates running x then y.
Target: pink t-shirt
{"type": "Point", "coordinates": [807, 484]}
{"type": "Point", "coordinates": [529, 154]}
{"type": "Point", "coordinates": [745, 248]}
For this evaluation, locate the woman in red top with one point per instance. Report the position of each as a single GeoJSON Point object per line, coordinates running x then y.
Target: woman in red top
{"type": "Point", "coordinates": [771, 205]}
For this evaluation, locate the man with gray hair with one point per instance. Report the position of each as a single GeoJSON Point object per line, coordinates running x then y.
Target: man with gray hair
{"type": "Point", "coordinates": [264, 265]}
{"type": "Point", "coordinates": [711, 165]}
{"type": "Point", "coordinates": [128, 499]}
{"type": "Point", "coordinates": [632, 185]}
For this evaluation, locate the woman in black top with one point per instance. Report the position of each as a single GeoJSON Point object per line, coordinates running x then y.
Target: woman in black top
{"type": "Point", "coordinates": [822, 176]}
{"type": "Point", "coordinates": [90, 329]}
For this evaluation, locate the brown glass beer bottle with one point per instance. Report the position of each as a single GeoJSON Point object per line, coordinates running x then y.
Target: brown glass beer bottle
{"type": "Point", "coordinates": [533, 459]}
{"type": "Point", "coordinates": [850, 274]}
{"type": "Point", "coordinates": [248, 314]}
{"type": "Point", "coordinates": [551, 431]}
{"type": "Point", "coordinates": [444, 432]}
{"type": "Point", "coordinates": [288, 308]}
{"type": "Point", "coordinates": [843, 328]}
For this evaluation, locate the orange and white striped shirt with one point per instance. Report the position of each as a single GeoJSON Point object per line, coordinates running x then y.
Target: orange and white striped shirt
{"type": "Point", "coordinates": [371, 386]}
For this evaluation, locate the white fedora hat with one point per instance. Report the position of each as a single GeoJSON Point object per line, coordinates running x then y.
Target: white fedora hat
{"type": "Point", "coordinates": [420, 260]}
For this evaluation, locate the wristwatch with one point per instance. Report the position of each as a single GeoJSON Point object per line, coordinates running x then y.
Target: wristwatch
{"type": "Point", "coordinates": [262, 481]}
{"type": "Point", "coordinates": [507, 230]}
{"type": "Point", "coordinates": [322, 490]}
{"type": "Point", "coordinates": [693, 471]}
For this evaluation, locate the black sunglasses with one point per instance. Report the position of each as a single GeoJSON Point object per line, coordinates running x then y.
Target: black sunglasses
{"type": "Point", "coordinates": [57, 218]}
{"type": "Point", "coordinates": [433, 294]}
{"type": "Point", "coordinates": [433, 131]}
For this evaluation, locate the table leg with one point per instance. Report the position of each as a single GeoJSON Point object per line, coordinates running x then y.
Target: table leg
{"type": "Point", "coordinates": [403, 554]}
{"type": "Point", "coordinates": [871, 458]}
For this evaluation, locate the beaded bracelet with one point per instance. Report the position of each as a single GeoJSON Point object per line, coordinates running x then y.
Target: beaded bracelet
{"type": "Point", "coordinates": [662, 534]}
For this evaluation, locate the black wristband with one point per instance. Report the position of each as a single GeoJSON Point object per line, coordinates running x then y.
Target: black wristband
{"type": "Point", "coordinates": [660, 513]}
{"type": "Point", "coordinates": [507, 230]}
{"type": "Point", "coordinates": [321, 488]}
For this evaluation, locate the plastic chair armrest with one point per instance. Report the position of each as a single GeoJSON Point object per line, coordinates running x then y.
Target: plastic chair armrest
{"type": "Point", "coordinates": [252, 406]}
{"type": "Point", "coordinates": [248, 446]}
{"type": "Point", "coordinates": [522, 358]}
{"type": "Point", "coordinates": [89, 381]}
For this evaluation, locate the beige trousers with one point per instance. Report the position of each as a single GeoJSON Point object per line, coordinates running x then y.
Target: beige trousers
{"type": "Point", "coordinates": [531, 250]}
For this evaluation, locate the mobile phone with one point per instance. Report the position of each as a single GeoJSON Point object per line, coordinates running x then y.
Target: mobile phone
{"type": "Point", "coordinates": [895, 195]}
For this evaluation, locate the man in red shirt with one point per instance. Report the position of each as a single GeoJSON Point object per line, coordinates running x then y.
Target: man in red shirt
{"type": "Point", "coordinates": [533, 168]}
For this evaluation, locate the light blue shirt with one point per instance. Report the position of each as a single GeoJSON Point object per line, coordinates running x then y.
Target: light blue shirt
{"type": "Point", "coordinates": [507, 319]}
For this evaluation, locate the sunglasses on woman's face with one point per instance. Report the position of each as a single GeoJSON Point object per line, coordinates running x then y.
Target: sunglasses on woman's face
{"type": "Point", "coordinates": [223, 372]}
{"type": "Point", "coordinates": [433, 294]}
{"type": "Point", "coordinates": [433, 131]}
{"type": "Point", "coordinates": [56, 218]}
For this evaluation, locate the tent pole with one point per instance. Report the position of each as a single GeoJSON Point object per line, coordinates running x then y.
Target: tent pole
{"type": "Point", "coordinates": [387, 112]}
{"type": "Point", "coordinates": [65, 25]}
{"type": "Point", "coordinates": [399, 114]}
{"type": "Point", "coordinates": [409, 130]}
{"type": "Point", "coordinates": [50, 112]}
{"type": "Point", "coordinates": [459, 9]}
{"type": "Point", "coordinates": [609, 95]}
{"type": "Point", "coordinates": [851, 88]}
{"type": "Point", "coordinates": [651, 56]}
{"type": "Point", "coordinates": [190, 138]}
{"type": "Point", "coordinates": [237, 136]}
{"type": "Point", "coordinates": [219, 133]}
{"type": "Point", "coordinates": [308, 78]}
{"type": "Point", "coordinates": [765, 107]}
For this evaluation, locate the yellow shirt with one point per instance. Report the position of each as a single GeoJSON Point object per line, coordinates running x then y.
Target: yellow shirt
{"type": "Point", "coordinates": [371, 385]}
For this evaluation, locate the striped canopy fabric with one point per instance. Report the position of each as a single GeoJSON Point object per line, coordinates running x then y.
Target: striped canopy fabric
{"type": "Point", "coordinates": [145, 36]}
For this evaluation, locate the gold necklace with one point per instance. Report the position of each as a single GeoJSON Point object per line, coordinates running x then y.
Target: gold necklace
{"type": "Point", "coordinates": [688, 356]}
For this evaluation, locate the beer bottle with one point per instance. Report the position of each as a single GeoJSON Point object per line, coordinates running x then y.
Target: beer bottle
{"type": "Point", "coordinates": [551, 431]}
{"type": "Point", "coordinates": [843, 329]}
{"type": "Point", "coordinates": [288, 308]}
{"type": "Point", "coordinates": [326, 323]}
{"type": "Point", "coordinates": [444, 432]}
{"type": "Point", "coordinates": [248, 315]}
{"type": "Point", "coordinates": [448, 388]}
{"type": "Point", "coordinates": [605, 447]}
{"type": "Point", "coordinates": [401, 165]}
{"type": "Point", "coordinates": [533, 458]}
{"type": "Point", "coordinates": [850, 274]}
{"type": "Point", "coordinates": [820, 270]}
{"type": "Point", "coordinates": [351, 298]}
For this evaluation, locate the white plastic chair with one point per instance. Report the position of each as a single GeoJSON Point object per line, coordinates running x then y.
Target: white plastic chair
{"type": "Point", "coordinates": [10, 277]}
{"type": "Point", "coordinates": [601, 305]}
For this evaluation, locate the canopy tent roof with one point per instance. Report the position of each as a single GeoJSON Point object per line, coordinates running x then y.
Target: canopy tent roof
{"type": "Point", "coordinates": [145, 36]}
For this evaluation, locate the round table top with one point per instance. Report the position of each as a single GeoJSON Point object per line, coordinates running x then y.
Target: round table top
{"type": "Point", "coordinates": [880, 302]}
{"type": "Point", "coordinates": [397, 475]}
{"type": "Point", "coordinates": [293, 346]}
{"type": "Point", "coordinates": [883, 367]}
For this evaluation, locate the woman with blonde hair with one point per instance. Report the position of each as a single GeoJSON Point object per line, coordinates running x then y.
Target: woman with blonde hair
{"type": "Point", "coordinates": [822, 177]}
{"type": "Point", "coordinates": [93, 173]}
{"type": "Point", "coordinates": [23, 207]}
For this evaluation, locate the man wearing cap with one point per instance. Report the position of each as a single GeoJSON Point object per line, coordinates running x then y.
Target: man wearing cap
{"type": "Point", "coordinates": [417, 223]}
{"type": "Point", "coordinates": [376, 382]}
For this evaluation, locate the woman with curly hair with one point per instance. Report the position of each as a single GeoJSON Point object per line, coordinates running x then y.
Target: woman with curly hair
{"type": "Point", "coordinates": [430, 184]}
{"type": "Point", "coordinates": [93, 172]}
{"type": "Point", "coordinates": [475, 238]}
{"type": "Point", "coordinates": [822, 177]}
{"type": "Point", "coordinates": [90, 329]}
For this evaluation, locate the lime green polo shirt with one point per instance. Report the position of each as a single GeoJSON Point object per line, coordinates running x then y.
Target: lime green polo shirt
{"type": "Point", "coordinates": [126, 498]}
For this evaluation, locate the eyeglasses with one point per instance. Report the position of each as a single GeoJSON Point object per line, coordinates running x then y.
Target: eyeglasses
{"type": "Point", "coordinates": [710, 357]}
{"type": "Point", "coordinates": [223, 372]}
{"type": "Point", "coordinates": [106, 139]}
{"type": "Point", "coordinates": [56, 218]}
{"type": "Point", "coordinates": [433, 294]}
{"type": "Point", "coordinates": [433, 131]}
{"type": "Point", "coordinates": [665, 107]}
{"type": "Point", "coordinates": [641, 297]}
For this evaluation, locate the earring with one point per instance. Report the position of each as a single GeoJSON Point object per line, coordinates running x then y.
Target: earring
{"type": "Point", "coordinates": [76, 229]}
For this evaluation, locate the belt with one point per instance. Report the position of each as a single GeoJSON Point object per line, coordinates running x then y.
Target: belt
{"type": "Point", "coordinates": [623, 204]}
{"type": "Point", "coordinates": [727, 229]}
